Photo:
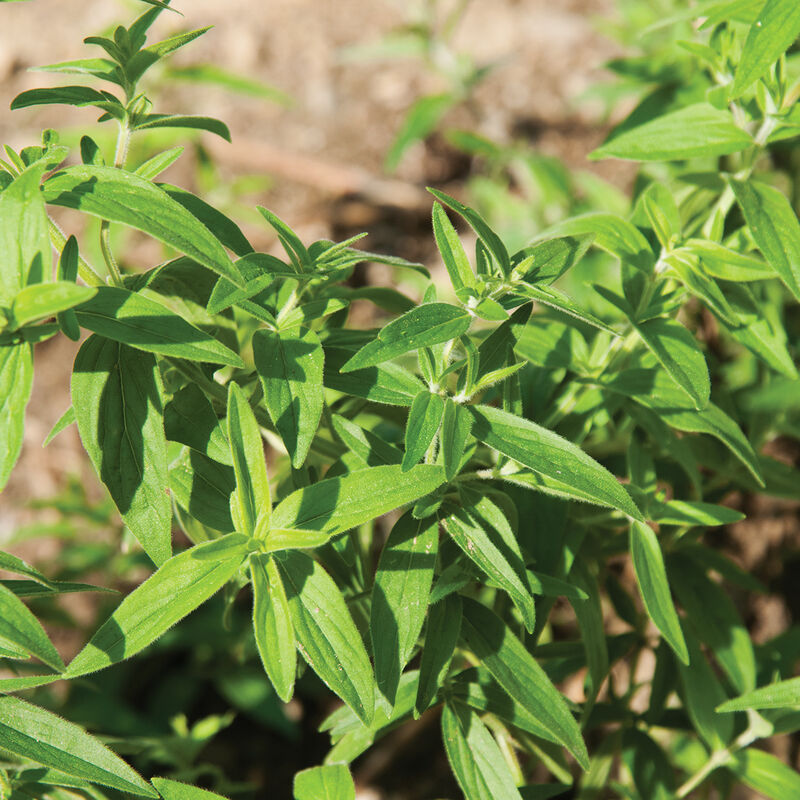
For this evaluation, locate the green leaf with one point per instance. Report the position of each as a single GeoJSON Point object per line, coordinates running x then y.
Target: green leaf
{"type": "Point", "coordinates": [16, 381]}
{"type": "Point", "coordinates": [547, 260]}
{"type": "Point", "coordinates": [485, 234]}
{"type": "Point", "coordinates": [133, 319]}
{"type": "Point", "coordinates": [24, 238]}
{"type": "Point", "coordinates": [387, 383]}
{"type": "Point", "coordinates": [420, 121]}
{"type": "Point", "coordinates": [424, 419]}
{"type": "Point", "coordinates": [456, 426]}
{"type": "Point", "coordinates": [476, 760]}
{"type": "Point", "coordinates": [203, 487]}
{"type": "Point", "coordinates": [225, 229]}
{"type": "Point", "coordinates": [295, 249]}
{"type": "Point", "coordinates": [774, 30]}
{"type": "Point", "coordinates": [550, 296]}
{"type": "Point", "coordinates": [331, 782]}
{"type": "Point", "coordinates": [679, 354]}
{"type": "Point", "coordinates": [290, 366]}
{"type": "Point", "coordinates": [611, 233]}
{"type": "Point", "coordinates": [336, 505]}
{"type": "Point", "coordinates": [63, 95]}
{"type": "Point", "coordinates": [520, 675]}
{"type": "Point", "coordinates": [715, 620]}
{"type": "Point", "coordinates": [651, 575]}
{"type": "Point", "coordinates": [441, 638]}
{"type": "Point", "coordinates": [452, 251]}
{"type": "Point", "coordinates": [19, 627]}
{"type": "Point", "coordinates": [251, 505]}
{"type": "Point", "coordinates": [326, 634]}
{"type": "Point", "coordinates": [775, 228]}
{"type": "Point", "coordinates": [702, 693]}
{"type": "Point", "coordinates": [173, 790]}
{"type": "Point", "coordinates": [550, 455]}
{"type": "Point", "coordinates": [176, 588]}
{"type": "Point", "coordinates": [117, 397]}
{"type": "Point", "coordinates": [658, 392]}
{"type": "Point", "coordinates": [783, 694]}
{"type": "Point", "coordinates": [371, 450]}
{"type": "Point", "coordinates": [42, 300]}
{"type": "Point", "coordinates": [423, 326]}
{"type": "Point", "coordinates": [400, 597]}
{"type": "Point", "coordinates": [158, 163]}
{"type": "Point", "coordinates": [481, 530]}
{"type": "Point", "coordinates": [190, 419]}
{"type": "Point", "coordinates": [184, 121]}
{"type": "Point", "coordinates": [690, 132]}
{"type": "Point", "coordinates": [272, 625]}
{"type": "Point", "coordinates": [41, 736]}
{"type": "Point", "coordinates": [121, 196]}
{"type": "Point", "coordinates": [766, 774]}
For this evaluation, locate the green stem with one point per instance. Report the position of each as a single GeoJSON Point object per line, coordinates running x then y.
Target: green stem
{"type": "Point", "coordinates": [120, 155]}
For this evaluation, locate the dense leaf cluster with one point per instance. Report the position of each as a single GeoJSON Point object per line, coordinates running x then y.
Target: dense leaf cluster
{"type": "Point", "coordinates": [520, 441]}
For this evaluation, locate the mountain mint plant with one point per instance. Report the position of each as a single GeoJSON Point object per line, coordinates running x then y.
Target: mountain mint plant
{"type": "Point", "coordinates": [445, 489]}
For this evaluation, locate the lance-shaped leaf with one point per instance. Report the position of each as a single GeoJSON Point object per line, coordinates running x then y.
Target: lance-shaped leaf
{"type": "Point", "coordinates": [175, 589]}
{"type": "Point", "coordinates": [782, 694]}
{"type": "Point", "coordinates": [549, 296]}
{"type": "Point", "coordinates": [24, 239]}
{"type": "Point", "coordinates": [476, 760]}
{"type": "Point", "coordinates": [41, 300]}
{"type": "Point", "coordinates": [456, 425]}
{"type": "Point", "coordinates": [203, 487]}
{"type": "Point", "coordinates": [766, 774]}
{"type": "Point", "coordinates": [251, 505]}
{"type": "Point", "coordinates": [441, 638]}
{"type": "Point", "coordinates": [400, 597]}
{"type": "Point", "coordinates": [486, 235]}
{"type": "Point", "coordinates": [773, 31]}
{"type": "Point", "coordinates": [326, 634]}
{"type": "Point", "coordinates": [656, 391]}
{"type": "Point", "coordinates": [174, 790]}
{"type": "Point", "coordinates": [423, 326]}
{"type": "Point", "coordinates": [611, 233]}
{"type": "Point", "coordinates": [16, 380]}
{"type": "Point", "coordinates": [690, 132]}
{"type": "Point", "coordinates": [651, 575]}
{"type": "Point", "coordinates": [117, 397]}
{"type": "Point", "coordinates": [550, 455]}
{"type": "Point", "coordinates": [424, 419]}
{"type": "Point", "coordinates": [330, 782]}
{"type": "Point", "coordinates": [185, 121]}
{"type": "Point", "coordinates": [190, 419]}
{"type": "Point", "coordinates": [678, 352]}
{"type": "Point", "coordinates": [121, 196]}
{"type": "Point", "coordinates": [272, 625]}
{"type": "Point", "coordinates": [335, 505]}
{"type": "Point", "coordinates": [43, 737]}
{"type": "Point", "coordinates": [515, 669]}
{"type": "Point", "coordinates": [715, 621]}
{"type": "Point", "coordinates": [481, 530]}
{"type": "Point", "coordinates": [290, 365]}
{"type": "Point", "coordinates": [133, 319]}
{"type": "Point", "coordinates": [20, 628]}
{"type": "Point", "coordinates": [62, 95]}
{"type": "Point", "coordinates": [775, 228]}
{"type": "Point", "coordinates": [452, 251]}
{"type": "Point", "coordinates": [367, 447]}
{"type": "Point", "coordinates": [387, 383]}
